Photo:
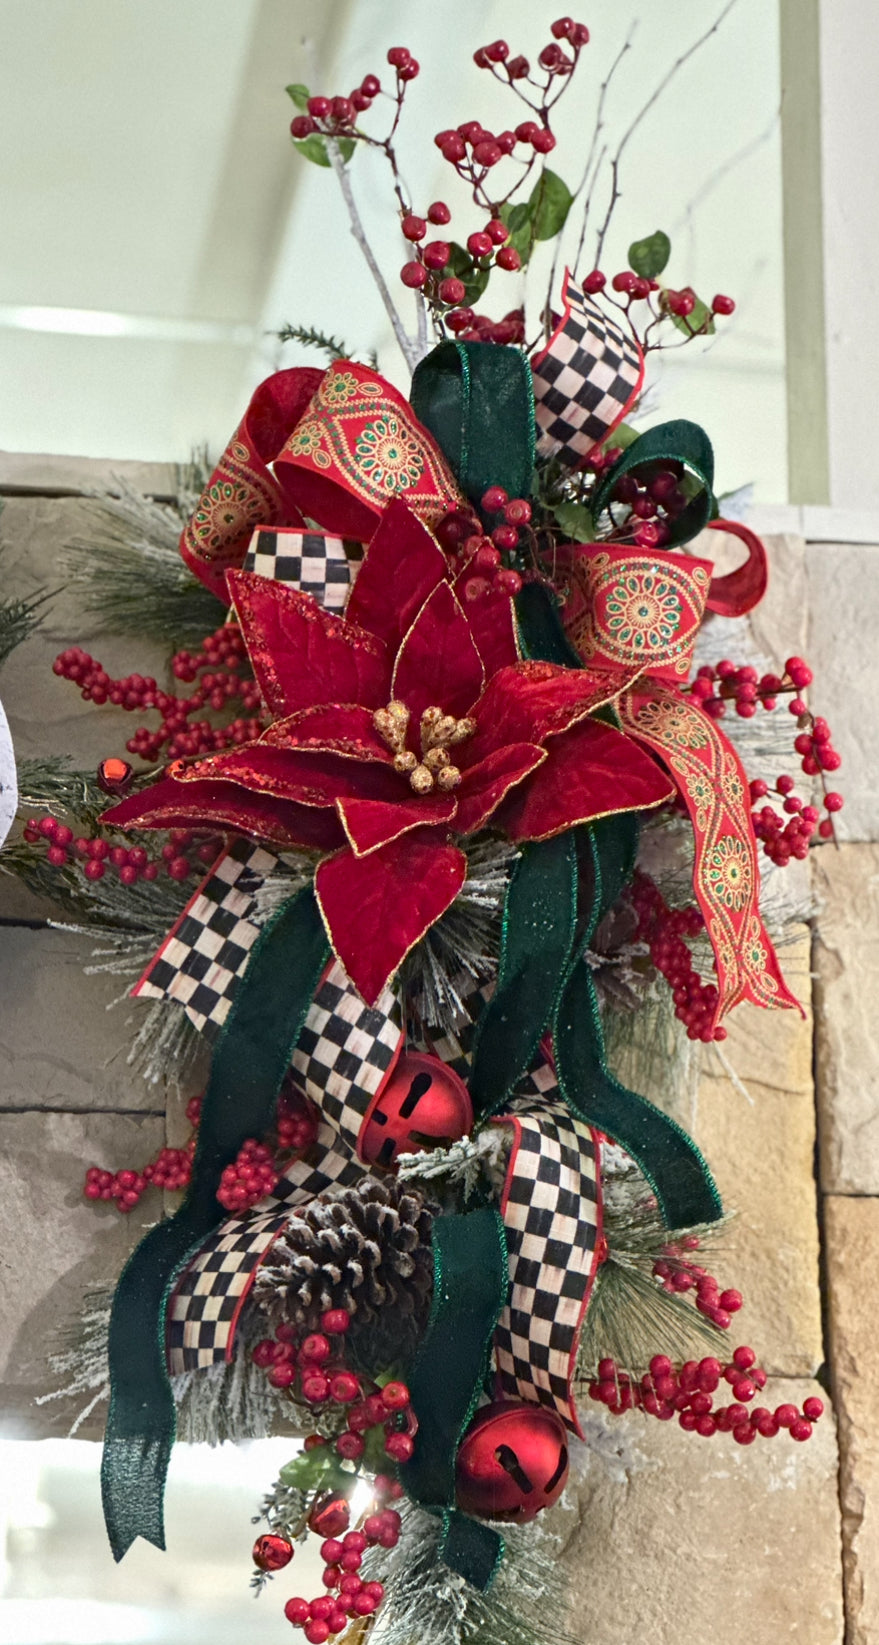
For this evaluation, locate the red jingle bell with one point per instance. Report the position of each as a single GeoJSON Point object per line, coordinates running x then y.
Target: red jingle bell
{"type": "Point", "coordinates": [424, 1104]}
{"type": "Point", "coordinates": [513, 1462]}
{"type": "Point", "coordinates": [330, 1515]}
{"type": "Point", "coordinates": [272, 1553]}
{"type": "Point", "coordinates": [114, 775]}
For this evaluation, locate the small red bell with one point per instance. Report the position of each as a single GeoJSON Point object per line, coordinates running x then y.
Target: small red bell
{"type": "Point", "coordinates": [424, 1104]}
{"type": "Point", "coordinates": [330, 1515]}
{"type": "Point", "coordinates": [114, 775]}
{"type": "Point", "coordinates": [513, 1461]}
{"type": "Point", "coordinates": [272, 1553]}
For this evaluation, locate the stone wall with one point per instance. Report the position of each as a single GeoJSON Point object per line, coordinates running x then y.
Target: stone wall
{"type": "Point", "coordinates": [676, 1541]}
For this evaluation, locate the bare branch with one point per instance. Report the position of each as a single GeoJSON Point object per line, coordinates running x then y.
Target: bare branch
{"type": "Point", "coordinates": [590, 173]}
{"type": "Point", "coordinates": [645, 110]}
{"type": "Point", "coordinates": [408, 345]}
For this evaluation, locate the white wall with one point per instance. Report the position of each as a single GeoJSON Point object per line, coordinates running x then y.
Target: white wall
{"type": "Point", "coordinates": [128, 190]}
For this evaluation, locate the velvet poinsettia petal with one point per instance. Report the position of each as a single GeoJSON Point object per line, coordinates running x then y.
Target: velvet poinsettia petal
{"type": "Point", "coordinates": [592, 771]}
{"type": "Point", "coordinates": [373, 823]}
{"type": "Point", "coordinates": [401, 567]}
{"type": "Point", "coordinates": [438, 663]}
{"type": "Point", "coordinates": [535, 700]}
{"type": "Point", "coordinates": [297, 774]}
{"type": "Point", "coordinates": [492, 622]}
{"type": "Point", "coordinates": [303, 655]}
{"type": "Point", "coordinates": [485, 785]}
{"type": "Point", "coordinates": [220, 805]}
{"type": "Point", "coordinates": [376, 908]}
{"type": "Point", "coordinates": [331, 728]}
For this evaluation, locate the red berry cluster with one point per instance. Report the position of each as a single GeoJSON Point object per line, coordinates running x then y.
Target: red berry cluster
{"type": "Point", "coordinates": [349, 1596]}
{"type": "Point", "coordinates": [678, 1274]}
{"type": "Point", "coordinates": [484, 554]}
{"type": "Point", "coordinates": [253, 1175]}
{"type": "Point", "coordinates": [664, 929]}
{"type": "Point", "coordinates": [637, 288]}
{"type": "Point", "coordinates": [184, 853]}
{"type": "Point", "coordinates": [337, 116]}
{"type": "Point", "coordinates": [714, 688]}
{"type": "Point", "coordinates": [171, 1169]}
{"type": "Point", "coordinates": [431, 271]}
{"type": "Point", "coordinates": [220, 662]}
{"type": "Point", "coordinates": [316, 1366]}
{"type": "Point", "coordinates": [249, 1179]}
{"type": "Point", "coordinates": [689, 1393]}
{"type": "Point", "coordinates": [480, 328]}
{"type": "Point", "coordinates": [652, 506]}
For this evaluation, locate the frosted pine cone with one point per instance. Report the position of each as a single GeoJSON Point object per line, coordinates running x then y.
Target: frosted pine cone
{"type": "Point", "coordinates": [368, 1250]}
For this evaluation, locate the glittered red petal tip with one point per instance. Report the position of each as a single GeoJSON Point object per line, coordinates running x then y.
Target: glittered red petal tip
{"type": "Point", "coordinates": [376, 908]}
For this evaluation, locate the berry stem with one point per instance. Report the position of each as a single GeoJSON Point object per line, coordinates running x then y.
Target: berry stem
{"type": "Point", "coordinates": [409, 347]}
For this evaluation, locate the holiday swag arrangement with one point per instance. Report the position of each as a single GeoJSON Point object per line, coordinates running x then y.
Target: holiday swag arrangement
{"type": "Point", "coordinates": [474, 826]}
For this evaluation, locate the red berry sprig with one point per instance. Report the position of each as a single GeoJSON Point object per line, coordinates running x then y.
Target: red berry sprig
{"type": "Point", "coordinates": [184, 853]}
{"type": "Point", "coordinates": [688, 1393]}
{"type": "Point", "coordinates": [484, 555]}
{"type": "Point", "coordinates": [636, 288]}
{"type": "Point", "coordinates": [222, 666]}
{"type": "Point", "coordinates": [679, 1274]}
{"type": "Point", "coordinates": [253, 1175]}
{"type": "Point", "coordinates": [171, 1169]}
{"type": "Point", "coordinates": [663, 929]}
{"type": "Point", "coordinates": [715, 688]}
{"type": "Point", "coordinates": [315, 1371]}
{"type": "Point", "coordinates": [652, 506]}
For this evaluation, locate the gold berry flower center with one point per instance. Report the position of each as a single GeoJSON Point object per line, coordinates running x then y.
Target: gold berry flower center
{"type": "Point", "coordinates": [439, 732]}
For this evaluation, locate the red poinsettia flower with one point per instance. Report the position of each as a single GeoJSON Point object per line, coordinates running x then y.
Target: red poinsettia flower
{"type": "Point", "coordinates": [402, 725]}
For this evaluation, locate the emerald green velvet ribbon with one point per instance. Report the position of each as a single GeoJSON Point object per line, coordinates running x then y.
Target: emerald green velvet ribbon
{"type": "Point", "coordinates": [477, 400]}
{"type": "Point", "coordinates": [446, 1380]}
{"type": "Point", "coordinates": [252, 1055]}
{"type": "Point", "coordinates": [676, 442]}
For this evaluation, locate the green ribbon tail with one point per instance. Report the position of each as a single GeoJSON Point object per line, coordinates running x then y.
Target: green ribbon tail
{"type": "Point", "coordinates": [477, 400]}
{"type": "Point", "coordinates": [252, 1055]}
{"type": "Point", "coordinates": [671, 1162]}
{"type": "Point", "coordinates": [470, 1289]}
{"type": "Point", "coordinates": [539, 926]}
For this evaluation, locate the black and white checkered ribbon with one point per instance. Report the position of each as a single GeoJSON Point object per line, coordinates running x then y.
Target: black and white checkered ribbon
{"type": "Point", "coordinates": [346, 1052]}
{"type": "Point", "coordinates": [316, 564]}
{"type": "Point", "coordinates": [585, 380]}
{"type": "Point", "coordinates": [204, 955]}
{"type": "Point", "coordinates": [552, 1215]}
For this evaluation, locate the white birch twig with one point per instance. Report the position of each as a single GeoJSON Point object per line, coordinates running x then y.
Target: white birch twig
{"type": "Point", "coordinates": [408, 345]}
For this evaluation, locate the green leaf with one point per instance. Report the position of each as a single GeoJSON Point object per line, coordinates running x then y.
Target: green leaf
{"type": "Point", "coordinates": [320, 1467]}
{"type": "Point", "coordinates": [519, 220]}
{"type": "Point", "coordinates": [314, 148]}
{"type": "Point", "coordinates": [649, 257]}
{"type": "Point", "coordinates": [575, 521]}
{"type": "Point", "coordinates": [550, 203]}
{"type": "Point", "coordinates": [462, 266]}
{"type": "Point", "coordinates": [700, 320]}
{"type": "Point", "coordinates": [299, 95]}
{"type": "Point", "coordinates": [624, 435]}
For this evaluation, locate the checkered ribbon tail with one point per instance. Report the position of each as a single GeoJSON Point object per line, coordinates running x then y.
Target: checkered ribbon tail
{"type": "Point", "coordinates": [204, 1310]}
{"type": "Point", "coordinates": [551, 1212]}
{"type": "Point", "coordinates": [585, 380]}
{"type": "Point", "coordinates": [346, 1051]}
{"type": "Point", "coordinates": [307, 560]}
{"type": "Point", "coordinates": [205, 953]}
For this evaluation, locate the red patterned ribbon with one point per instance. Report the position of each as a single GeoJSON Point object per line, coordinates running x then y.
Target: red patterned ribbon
{"type": "Point", "coordinates": [357, 447]}
{"type": "Point", "coordinates": [627, 606]}
{"type": "Point", "coordinates": [344, 442]}
{"type": "Point", "coordinates": [242, 492]}
{"type": "Point", "coordinates": [713, 785]}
